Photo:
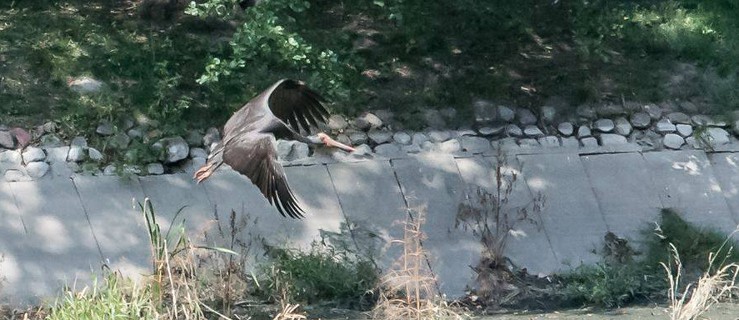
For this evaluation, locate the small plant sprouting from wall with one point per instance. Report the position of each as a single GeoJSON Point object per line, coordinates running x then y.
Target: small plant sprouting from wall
{"type": "Point", "coordinates": [493, 220]}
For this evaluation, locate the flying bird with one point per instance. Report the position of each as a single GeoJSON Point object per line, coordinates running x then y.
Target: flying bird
{"type": "Point", "coordinates": [249, 139]}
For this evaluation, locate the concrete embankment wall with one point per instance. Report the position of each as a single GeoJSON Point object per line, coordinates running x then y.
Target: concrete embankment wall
{"type": "Point", "coordinates": [59, 230]}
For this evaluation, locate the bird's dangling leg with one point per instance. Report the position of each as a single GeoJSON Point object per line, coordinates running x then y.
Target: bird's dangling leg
{"type": "Point", "coordinates": [203, 173]}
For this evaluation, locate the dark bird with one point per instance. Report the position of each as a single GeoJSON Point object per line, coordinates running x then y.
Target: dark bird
{"type": "Point", "coordinates": [249, 139]}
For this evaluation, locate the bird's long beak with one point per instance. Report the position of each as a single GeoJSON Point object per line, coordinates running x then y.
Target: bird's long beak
{"type": "Point", "coordinates": [334, 143]}
{"type": "Point", "coordinates": [328, 141]}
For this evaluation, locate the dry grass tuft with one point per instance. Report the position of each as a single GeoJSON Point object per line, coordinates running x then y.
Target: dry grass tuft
{"type": "Point", "coordinates": [410, 290]}
{"type": "Point", "coordinates": [188, 281]}
{"type": "Point", "coordinates": [288, 313]}
{"type": "Point", "coordinates": [713, 286]}
{"type": "Point", "coordinates": [173, 282]}
{"type": "Point", "coordinates": [194, 281]}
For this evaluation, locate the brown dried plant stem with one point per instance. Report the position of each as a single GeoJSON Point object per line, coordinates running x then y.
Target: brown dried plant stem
{"type": "Point", "coordinates": [492, 207]}
{"type": "Point", "coordinates": [409, 290]}
{"type": "Point", "coordinates": [697, 298]}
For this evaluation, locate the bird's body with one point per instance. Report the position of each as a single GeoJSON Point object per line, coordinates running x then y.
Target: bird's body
{"type": "Point", "coordinates": [249, 139]}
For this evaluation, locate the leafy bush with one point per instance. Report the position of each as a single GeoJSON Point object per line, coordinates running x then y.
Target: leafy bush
{"type": "Point", "coordinates": [616, 284]}
{"type": "Point", "coordinates": [266, 40]}
{"type": "Point", "coordinates": [693, 243]}
{"type": "Point", "coordinates": [115, 299]}
{"type": "Point", "coordinates": [610, 285]}
{"type": "Point", "coordinates": [322, 274]}
{"type": "Point", "coordinates": [194, 70]}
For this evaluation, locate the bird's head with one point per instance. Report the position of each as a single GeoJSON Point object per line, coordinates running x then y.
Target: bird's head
{"type": "Point", "coordinates": [324, 138]}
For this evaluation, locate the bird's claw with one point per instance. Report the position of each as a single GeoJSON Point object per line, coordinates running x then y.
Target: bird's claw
{"type": "Point", "coordinates": [202, 173]}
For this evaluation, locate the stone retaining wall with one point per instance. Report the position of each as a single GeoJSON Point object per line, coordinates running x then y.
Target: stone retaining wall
{"type": "Point", "coordinates": [641, 127]}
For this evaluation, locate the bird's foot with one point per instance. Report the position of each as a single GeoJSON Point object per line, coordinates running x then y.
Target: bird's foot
{"type": "Point", "coordinates": [203, 173]}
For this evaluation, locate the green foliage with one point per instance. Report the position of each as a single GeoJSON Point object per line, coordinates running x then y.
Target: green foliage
{"type": "Point", "coordinates": [611, 286]}
{"type": "Point", "coordinates": [690, 30]}
{"type": "Point", "coordinates": [642, 27]}
{"type": "Point", "coordinates": [427, 25]}
{"type": "Point", "coordinates": [195, 69]}
{"type": "Point", "coordinates": [693, 243]}
{"type": "Point", "coordinates": [141, 153]}
{"type": "Point", "coordinates": [614, 285]}
{"type": "Point", "coordinates": [639, 40]}
{"type": "Point", "coordinates": [266, 39]}
{"type": "Point", "coordinates": [119, 297]}
{"type": "Point", "coordinates": [115, 299]}
{"type": "Point", "coordinates": [162, 245]}
{"type": "Point", "coordinates": [147, 70]}
{"type": "Point", "coordinates": [323, 274]}
{"type": "Point", "coordinates": [174, 273]}
{"type": "Point", "coordinates": [582, 50]}
{"type": "Point", "coordinates": [723, 91]}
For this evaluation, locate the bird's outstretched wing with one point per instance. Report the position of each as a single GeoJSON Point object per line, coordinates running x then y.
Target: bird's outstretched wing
{"type": "Point", "coordinates": [297, 105]}
{"type": "Point", "coordinates": [254, 155]}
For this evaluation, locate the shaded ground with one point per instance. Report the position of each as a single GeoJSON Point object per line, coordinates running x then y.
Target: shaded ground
{"type": "Point", "coordinates": [720, 311]}
{"type": "Point", "coordinates": [404, 56]}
